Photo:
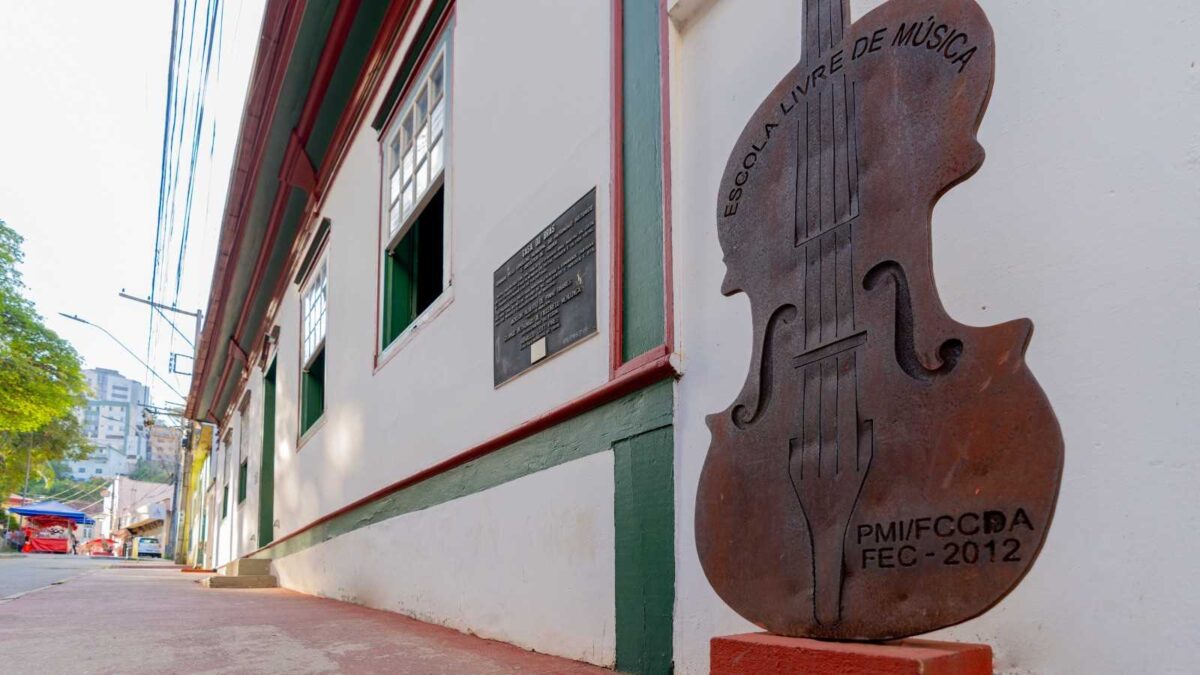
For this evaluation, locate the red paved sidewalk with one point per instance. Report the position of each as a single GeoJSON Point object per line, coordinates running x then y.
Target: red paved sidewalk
{"type": "Point", "coordinates": [160, 620]}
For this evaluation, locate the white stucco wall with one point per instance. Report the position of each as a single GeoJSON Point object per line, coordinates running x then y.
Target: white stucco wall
{"type": "Point", "coordinates": [1083, 218]}
{"type": "Point", "coordinates": [523, 147]}
{"type": "Point", "coordinates": [528, 562]}
{"type": "Point", "coordinates": [225, 520]}
{"type": "Point", "coordinates": [247, 442]}
{"type": "Point", "coordinates": [237, 533]}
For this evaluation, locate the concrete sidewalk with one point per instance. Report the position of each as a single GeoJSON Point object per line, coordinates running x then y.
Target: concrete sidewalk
{"type": "Point", "coordinates": [123, 619]}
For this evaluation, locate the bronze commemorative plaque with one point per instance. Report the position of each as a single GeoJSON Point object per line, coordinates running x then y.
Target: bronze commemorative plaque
{"type": "Point", "coordinates": [544, 297]}
{"type": "Point", "coordinates": [885, 470]}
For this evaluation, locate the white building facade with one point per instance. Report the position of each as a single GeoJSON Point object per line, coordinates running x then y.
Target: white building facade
{"type": "Point", "coordinates": [394, 158]}
{"type": "Point", "coordinates": [136, 508]}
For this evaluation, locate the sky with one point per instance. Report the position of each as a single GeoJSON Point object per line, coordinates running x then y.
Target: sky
{"type": "Point", "coordinates": [83, 89]}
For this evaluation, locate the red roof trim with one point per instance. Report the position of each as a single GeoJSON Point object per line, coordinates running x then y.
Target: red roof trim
{"type": "Point", "coordinates": [297, 170]}
{"type": "Point", "coordinates": [339, 31]}
{"type": "Point", "coordinates": [281, 23]}
{"type": "Point", "coordinates": [399, 17]}
{"type": "Point", "coordinates": [395, 22]}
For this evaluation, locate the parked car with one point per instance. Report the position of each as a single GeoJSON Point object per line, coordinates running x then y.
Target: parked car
{"type": "Point", "coordinates": [145, 547]}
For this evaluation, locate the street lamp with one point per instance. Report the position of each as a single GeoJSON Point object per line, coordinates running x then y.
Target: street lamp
{"type": "Point", "coordinates": [75, 317]}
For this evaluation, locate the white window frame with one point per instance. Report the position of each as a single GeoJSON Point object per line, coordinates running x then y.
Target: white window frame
{"type": "Point", "coordinates": [309, 348]}
{"type": "Point", "coordinates": [408, 166]}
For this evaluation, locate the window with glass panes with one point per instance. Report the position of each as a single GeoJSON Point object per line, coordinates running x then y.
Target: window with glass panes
{"type": "Point", "coordinates": [415, 233]}
{"type": "Point", "coordinates": [417, 146]}
{"type": "Point", "coordinates": [313, 311]}
{"type": "Point", "coordinates": [312, 348]}
{"type": "Point", "coordinates": [243, 442]}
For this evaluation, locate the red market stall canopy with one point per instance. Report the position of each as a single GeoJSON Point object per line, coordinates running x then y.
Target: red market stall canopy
{"type": "Point", "coordinates": [53, 510]}
{"type": "Point", "coordinates": [48, 534]}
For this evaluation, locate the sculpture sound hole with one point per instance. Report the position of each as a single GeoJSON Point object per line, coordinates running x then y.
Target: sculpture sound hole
{"type": "Point", "coordinates": [742, 416]}
{"type": "Point", "coordinates": [906, 351]}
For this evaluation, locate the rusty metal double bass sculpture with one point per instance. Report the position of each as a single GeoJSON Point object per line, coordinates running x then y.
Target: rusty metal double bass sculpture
{"type": "Point", "coordinates": [885, 471]}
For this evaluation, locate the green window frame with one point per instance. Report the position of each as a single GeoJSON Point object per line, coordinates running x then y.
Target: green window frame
{"type": "Point", "coordinates": [312, 396]}
{"type": "Point", "coordinates": [224, 501]}
{"type": "Point", "coordinates": [266, 467]}
{"type": "Point", "coordinates": [243, 471]}
{"type": "Point", "coordinates": [313, 305]}
{"type": "Point", "coordinates": [413, 271]}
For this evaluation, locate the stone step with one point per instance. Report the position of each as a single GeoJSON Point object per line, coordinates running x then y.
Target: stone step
{"type": "Point", "coordinates": [246, 567]}
{"type": "Point", "coordinates": [250, 581]}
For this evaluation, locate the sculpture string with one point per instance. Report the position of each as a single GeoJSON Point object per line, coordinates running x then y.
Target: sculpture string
{"type": "Point", "coordinates": [885, 470]}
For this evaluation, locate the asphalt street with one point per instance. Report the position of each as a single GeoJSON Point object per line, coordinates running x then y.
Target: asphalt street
{"type": "Point", "coordinates": [21, 574]}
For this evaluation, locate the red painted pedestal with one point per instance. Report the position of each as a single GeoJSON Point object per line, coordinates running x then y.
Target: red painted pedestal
{"type": "Point", "coordinates": [760, 653]}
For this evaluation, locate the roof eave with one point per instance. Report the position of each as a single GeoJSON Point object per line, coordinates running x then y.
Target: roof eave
{"type": "Point", "coordinates": [281, 22]}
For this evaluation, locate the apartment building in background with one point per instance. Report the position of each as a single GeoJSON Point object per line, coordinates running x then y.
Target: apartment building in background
{"type": "Point", "coordinates": [114, 422]}
{"type": "Point", "coordinates": [163, 444]}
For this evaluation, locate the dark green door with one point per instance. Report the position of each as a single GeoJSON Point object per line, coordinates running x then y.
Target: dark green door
{"type": "Point", "coordinates": [266, 474]}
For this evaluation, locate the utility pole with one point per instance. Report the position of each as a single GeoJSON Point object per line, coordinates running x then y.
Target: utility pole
{"type": "Point", "coordinates": [28, 463]}
{"type": "Point", "coordinates": [183, 470]}
{"type": "Point", "coordinates": [197, 315]}
{"type": "Point", "coordinates": [75, 317]}
{"type": "Point", "coordinates": [183, 476]}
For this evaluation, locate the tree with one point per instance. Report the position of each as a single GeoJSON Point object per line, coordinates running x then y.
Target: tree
{"type": "Point", "coordinates": [59, 440]}
{"type": "Point", "coordinates": [40, 375]}
{"type": "Point", "coordinates": [41, 382]}
{"type": "Point", "coordinates": [153, 471]}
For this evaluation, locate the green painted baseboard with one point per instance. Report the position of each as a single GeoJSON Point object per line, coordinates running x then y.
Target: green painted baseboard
{"type": "Point", "coordinates": [594, 431]}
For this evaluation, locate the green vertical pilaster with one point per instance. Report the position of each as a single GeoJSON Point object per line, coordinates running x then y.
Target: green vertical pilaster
{"type": "Point", "coordinates": [266, 471]}
{"type": "Point", "coordinates": [642, 153]}
{"type": "Point", "coordinates": [644, 506]}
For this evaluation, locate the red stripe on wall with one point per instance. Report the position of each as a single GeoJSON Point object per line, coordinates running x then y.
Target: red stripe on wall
{"type": "Point", "coordinates": [651, 372]}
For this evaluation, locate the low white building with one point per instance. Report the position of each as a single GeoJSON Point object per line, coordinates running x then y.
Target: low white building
{"type": "Point", "coordinates": [136, 508]}
{"type": "Point", "coordinates": [392, 432]}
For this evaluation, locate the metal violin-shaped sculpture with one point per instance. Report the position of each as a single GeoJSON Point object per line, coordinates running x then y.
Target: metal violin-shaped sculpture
{"type": "Point", "coordinates": [885, 471]}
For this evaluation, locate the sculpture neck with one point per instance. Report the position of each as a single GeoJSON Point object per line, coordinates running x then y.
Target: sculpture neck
{"type": "Point", "coordinates": [824, 23]}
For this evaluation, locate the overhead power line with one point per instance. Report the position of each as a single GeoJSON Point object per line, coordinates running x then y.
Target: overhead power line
{"type": "Point", "coordinates": [197, 29]}
{"type": "Point", "coordinates": [71, 493]}
{"type": "Point", "coordinates": [127, 349]}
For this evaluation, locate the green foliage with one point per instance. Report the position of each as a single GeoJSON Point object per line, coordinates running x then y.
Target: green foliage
{"type": "Point", "coordinates": [66, 489]}
{"type": "Point", "coordinates": [59, 440]}
{"type": "Point", "coordinates": [61, 484]}
{"type": "Point", "coordinates": [41, 383]}
{"type": "Point", "coordinates": [40, 375]}
{"type": "Point", "coordinates": [153, 471]}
